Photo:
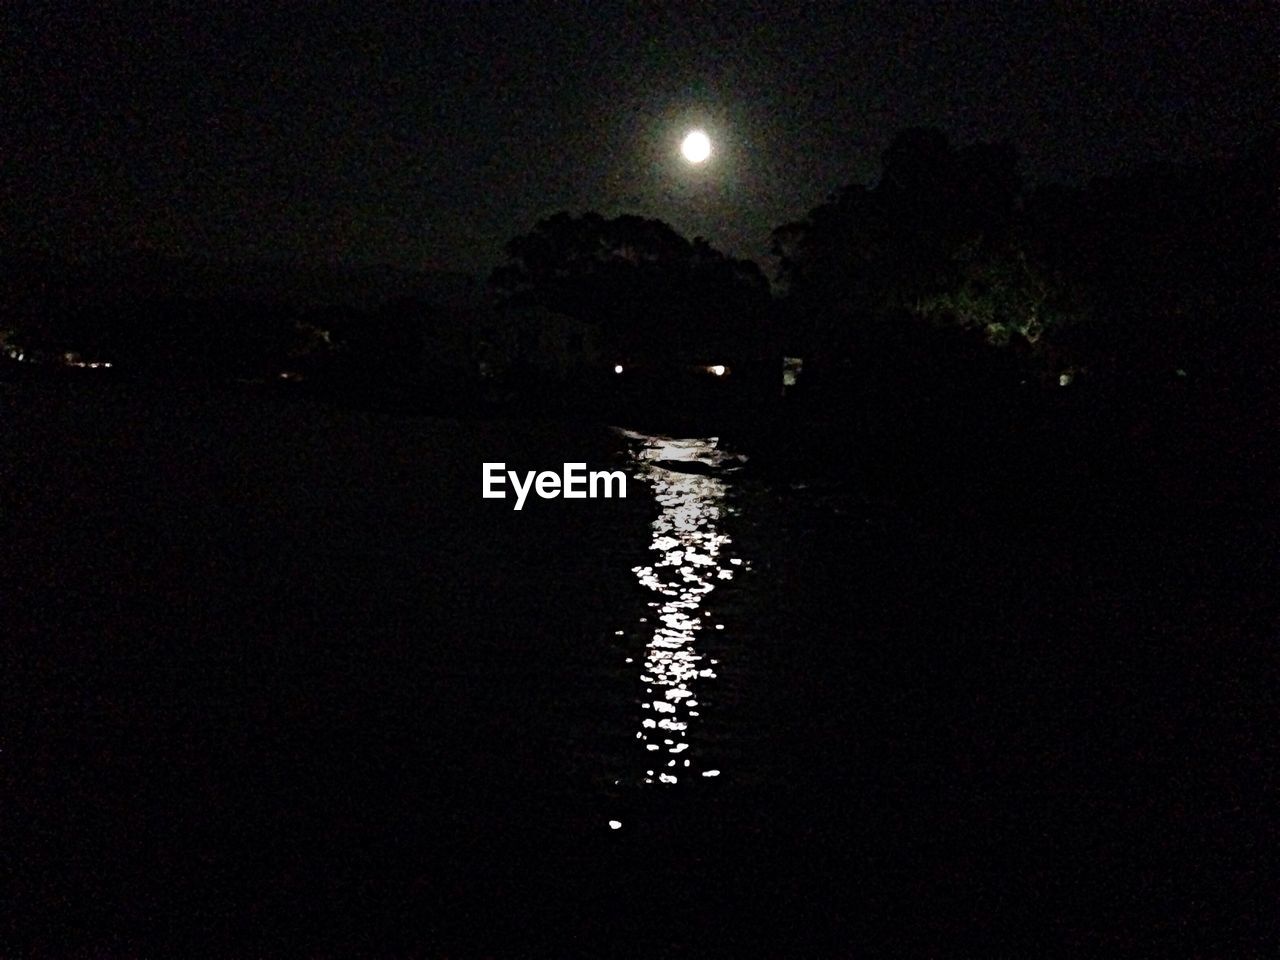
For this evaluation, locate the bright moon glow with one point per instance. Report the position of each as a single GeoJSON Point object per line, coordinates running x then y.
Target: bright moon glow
{"type": "Point", "coordinates": [696, 147]}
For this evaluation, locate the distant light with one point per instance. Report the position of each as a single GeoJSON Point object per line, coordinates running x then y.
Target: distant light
{"type": "Point", "coordinates": [1064, 379]}
{"type": "Point", "coordinates": [615, 824]}
{"type": "Point", "coordinates": [696, 147]}
{"type": "Point", "coordinates": [711, 773]}
{"type": "Point", "coordinates": [617, 368]}
{"type": "Point", "coordinates": [717, 369]}
{"type": "Point", "coordinates": [1180, 372]}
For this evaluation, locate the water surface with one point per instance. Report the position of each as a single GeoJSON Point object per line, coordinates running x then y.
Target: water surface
{"type": "Point", "coordinates": [691, 557]}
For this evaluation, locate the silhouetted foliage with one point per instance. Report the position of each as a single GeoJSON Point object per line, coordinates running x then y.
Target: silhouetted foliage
{"type": "Point", "coordinates": [937, 238]}
{"type": "Point", "coordinates": [650, 291]}
{"type": "Point", "coordinates": [1178, 264]}
{"type": "Point", "coordinates": [1164, 268]}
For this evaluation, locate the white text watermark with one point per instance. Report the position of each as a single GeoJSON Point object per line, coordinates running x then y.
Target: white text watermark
{"type": "Point", "coordinates": [574, 482]}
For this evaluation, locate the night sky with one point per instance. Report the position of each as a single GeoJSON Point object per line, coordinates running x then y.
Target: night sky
{"type": "Point", "coordinates": [427, 134]}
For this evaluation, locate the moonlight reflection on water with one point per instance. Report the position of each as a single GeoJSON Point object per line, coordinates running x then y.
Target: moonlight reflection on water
{"type": "Point", "coordinates": [690, 565]}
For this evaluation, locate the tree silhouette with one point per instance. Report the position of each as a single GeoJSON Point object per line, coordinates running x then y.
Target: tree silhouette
{"type": "Point", "coordinates": [937, 238]}
{"type": "Point", "coordinates": [650, 291]}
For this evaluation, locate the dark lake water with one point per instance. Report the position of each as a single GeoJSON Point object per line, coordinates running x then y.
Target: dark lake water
{"type": "Point", "coordinates": [279, 682]}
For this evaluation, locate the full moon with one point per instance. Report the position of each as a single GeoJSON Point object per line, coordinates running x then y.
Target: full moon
{"type": "Point", "coordinates": [696, 147]}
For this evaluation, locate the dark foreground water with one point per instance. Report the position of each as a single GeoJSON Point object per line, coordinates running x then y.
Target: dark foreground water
{"type": "Point", "coordinates": [278, 682]}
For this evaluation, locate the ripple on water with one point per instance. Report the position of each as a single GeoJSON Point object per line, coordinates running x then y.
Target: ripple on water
{"type": "Point", "coordinates": [691, 562]}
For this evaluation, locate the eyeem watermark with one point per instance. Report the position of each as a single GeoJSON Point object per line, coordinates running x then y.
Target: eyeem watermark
{"type": "Point", "coordinates": [575, 483]}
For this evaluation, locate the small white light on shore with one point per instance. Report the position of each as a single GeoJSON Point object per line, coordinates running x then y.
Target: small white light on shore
{"type": "Point", "coordinates": [615, 824]}
{"type": "Point", "coordinates": [711, 773]}
{"type": "Point", "coordinates": [617, 368]}
{"type": "Point", "coordinates": [717, 369]}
